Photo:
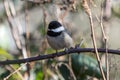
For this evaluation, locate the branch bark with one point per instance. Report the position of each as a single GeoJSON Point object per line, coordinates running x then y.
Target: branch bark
{"type": "Point", "coordinates": [53, 55]}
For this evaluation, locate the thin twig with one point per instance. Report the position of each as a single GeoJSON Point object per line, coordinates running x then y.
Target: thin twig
{"type": "Point", "coordinates": [14, 72]}
{"type": "Point", "coordinates": [26, 46]}
{"type": "Point", "coordinates": [18, 72]}
{"type": "Point", "coordinates": [14, 28]}
{"type": "Point", "coordinates": [44, 44]}
{"type": "Point", "coordinates": [10, 19]}
{"type": "Point", "coordinates": [27, 21]}
{"type": "Point", "coordinates": [88, 11]}
{"type": "Point", "coordinates": [107, 9]}
{"type": "Point", "coordinates": [105, 40]}
{"type": "Point", "coordinates": [107, 14]}
{"type": "Point", "coordinates": [106, 47]}
{"type": "Point", "coordinates": [53, 55]}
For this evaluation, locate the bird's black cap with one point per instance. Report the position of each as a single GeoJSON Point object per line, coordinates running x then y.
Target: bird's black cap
{"type": "Point", "coordinates": [54, 25]}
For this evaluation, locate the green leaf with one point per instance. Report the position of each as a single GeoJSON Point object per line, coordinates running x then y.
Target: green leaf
{"type": "Point", "coordinates": [84, 65]}
{"type": "Point", "coordinates": [4, 55]}
{"type": "Point", "coordinates": [39, 75]}
{"type": "Point", "coordinates": [65, 72]}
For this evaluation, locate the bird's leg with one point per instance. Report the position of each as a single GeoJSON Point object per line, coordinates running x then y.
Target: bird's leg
{"type": "Point", "coordinates": [56, 58]}
{"type": "Point", "coordinates": [56, 53]}
{"type": "Point", "coordinates": [66, 49]}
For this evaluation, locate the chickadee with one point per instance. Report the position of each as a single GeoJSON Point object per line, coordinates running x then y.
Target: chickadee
{"type": "Point", "coordinates": [57, 36]}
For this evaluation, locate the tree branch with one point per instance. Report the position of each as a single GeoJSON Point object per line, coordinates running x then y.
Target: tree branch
{"type": "Point", "coordinates": [53, 55]}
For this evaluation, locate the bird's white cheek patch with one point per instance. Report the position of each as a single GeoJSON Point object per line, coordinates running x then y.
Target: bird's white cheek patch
{"type": "Point", "coordinates": [59, 29]}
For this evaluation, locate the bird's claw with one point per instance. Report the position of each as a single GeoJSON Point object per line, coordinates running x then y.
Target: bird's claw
{"type": "Point", "coordinates": [77, 46]}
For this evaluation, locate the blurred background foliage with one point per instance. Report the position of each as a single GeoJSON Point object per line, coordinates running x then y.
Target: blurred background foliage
{"type": "Point", "coordinates": [25, 32]}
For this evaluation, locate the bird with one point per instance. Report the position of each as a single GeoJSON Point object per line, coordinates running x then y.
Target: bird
{"type": "Point", "coordinates": [57, 36]}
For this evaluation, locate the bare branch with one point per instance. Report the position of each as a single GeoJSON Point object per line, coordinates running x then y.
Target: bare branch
{"type": "Point", "coordinates": [53, 55]}
{"type": "Point", "coordinates": [88, 12]}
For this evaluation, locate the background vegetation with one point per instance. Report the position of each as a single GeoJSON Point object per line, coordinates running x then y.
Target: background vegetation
{"type": "Point", "coordinates": [23, 25]}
